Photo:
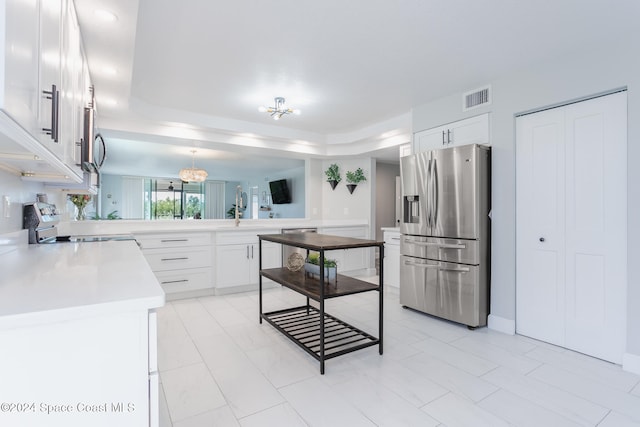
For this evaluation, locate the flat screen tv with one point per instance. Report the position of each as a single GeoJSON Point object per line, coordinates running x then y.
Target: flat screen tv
{"type": "Point", "coordinates": [280, 192]}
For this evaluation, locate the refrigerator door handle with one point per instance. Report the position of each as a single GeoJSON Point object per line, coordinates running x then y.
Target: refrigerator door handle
{"type": "Point", "coordinates": [428, 198]}
{"type": "Point", "coordinates": [455, 270]}
{"type": "Point", "coordinates": [417, 264]}
{"type": "Point", "coordinates": [434, 192]}
{"type": "Point", "coordinates": [439, 245]}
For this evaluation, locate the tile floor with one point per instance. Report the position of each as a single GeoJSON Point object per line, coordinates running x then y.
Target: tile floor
{"type": "Point", "coordinates": [220, 367]}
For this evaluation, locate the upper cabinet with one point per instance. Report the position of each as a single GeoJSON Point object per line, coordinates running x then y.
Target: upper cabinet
{"type": "Point", "coordinates": [474, 130]}
{"type": "Point", "coordinates": [19, 93]}
{"type": "Point", "coordinates": [44, 91]}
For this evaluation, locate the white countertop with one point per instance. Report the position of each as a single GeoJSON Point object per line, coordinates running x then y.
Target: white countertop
{"type": "Point", "coordinates": [106, 227]}
{"type": "Point", "coordinates": [55, 282]}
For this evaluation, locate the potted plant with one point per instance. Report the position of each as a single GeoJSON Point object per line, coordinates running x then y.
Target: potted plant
{"type": "Point", "coordinates": [312, 267]}
{"type": "Point", "coordinates": [333, 175]}
{"type": "Point", "coordinates": [353, 178]}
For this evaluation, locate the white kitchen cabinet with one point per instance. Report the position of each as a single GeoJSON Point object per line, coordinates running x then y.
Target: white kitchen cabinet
{"type": "Point", "coordinates": [19, 92]}
{"type": "Point", "coordinates": [237, 259]}
{"type": "Point", "coordinates": [39, 90]}
{"type": "Point", "coordinates": [391, 260]}
{"type": "Point", "coordinates": [352, 261]}
{"type": "Point", "coordinates": [182, 262]}
{"type": "Point", "coordinates": [50, 82]}
{"type": "Point", "coordinates": [474, 130]}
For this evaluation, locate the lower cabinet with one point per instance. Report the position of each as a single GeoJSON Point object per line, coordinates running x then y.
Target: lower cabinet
{"type": "Point", "coordinates": [237, 259]}
{"type": "Point", "coordinates": [90, 370]}
{"type": "Point", "coordinates": [391, 260]}
{"type": "Point", "coordinates": [182, 262]}
{"type": "Point", "coordinates": [356, 261]}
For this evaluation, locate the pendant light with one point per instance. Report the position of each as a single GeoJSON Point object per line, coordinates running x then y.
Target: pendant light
{"type": "Point", "coordinates": [193, 174]}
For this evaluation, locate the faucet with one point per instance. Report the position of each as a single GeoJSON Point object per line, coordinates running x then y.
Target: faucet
{"type": "Point", "coordinates": [238, 204]}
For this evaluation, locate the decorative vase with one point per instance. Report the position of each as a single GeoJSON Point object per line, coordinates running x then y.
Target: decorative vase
{"type": "Point", "coordinates": [330, 273]}
{"type": "Point", "coordinates": [80, 215]}
{"type": "Point", "coordinates": [351, 187]}
{"type": "Point", "coordinates": [333, 184]}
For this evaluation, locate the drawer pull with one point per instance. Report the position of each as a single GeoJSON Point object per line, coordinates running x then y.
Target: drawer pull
{"type": "Point", "coordinates": [174, 281]}
{"type": "Point", "coordinates": [174, 259]}
{"type": "Point", "coordinates": [173, 240]}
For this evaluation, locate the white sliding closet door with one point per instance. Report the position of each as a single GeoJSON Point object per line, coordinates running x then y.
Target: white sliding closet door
{"type": "Point", "coordinates": [571, 226]}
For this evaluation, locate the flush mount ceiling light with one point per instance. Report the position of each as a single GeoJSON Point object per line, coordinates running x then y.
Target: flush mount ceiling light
{"type": "Point", "coordinates": [193, 174]}
{"type": "Point", "coordinates": [279, 109]}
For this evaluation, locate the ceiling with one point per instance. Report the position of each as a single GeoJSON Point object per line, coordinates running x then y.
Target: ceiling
{"type": "Point", "coordinates": [174, 75]}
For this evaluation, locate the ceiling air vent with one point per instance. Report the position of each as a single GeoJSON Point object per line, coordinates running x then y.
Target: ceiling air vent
{"type": "Point", "coordinates": [476, 98]}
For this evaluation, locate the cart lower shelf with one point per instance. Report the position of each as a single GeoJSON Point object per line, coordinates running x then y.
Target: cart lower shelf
{"type": "Point", "coordinates": [302, 326]}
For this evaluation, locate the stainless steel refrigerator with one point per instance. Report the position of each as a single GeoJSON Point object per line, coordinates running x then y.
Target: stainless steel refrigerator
{"type": "Point", "coordinates": [445, 246]}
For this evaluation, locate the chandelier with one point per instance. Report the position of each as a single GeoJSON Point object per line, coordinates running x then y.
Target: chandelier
{"type": "Point", "coordinates": [193, 174]}
{"type": "Point", "coordinates": [279, 109]}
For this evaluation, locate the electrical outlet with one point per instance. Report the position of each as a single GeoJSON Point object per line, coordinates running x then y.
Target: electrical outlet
{"type": "Point", "coordinates": [6, 207]}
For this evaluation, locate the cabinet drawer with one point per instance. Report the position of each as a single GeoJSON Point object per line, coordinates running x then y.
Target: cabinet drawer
{"type": "Point", "coordinates": [175, 259]}
{"type": "Point", "coordinates": [391, 238]}
{"type": "Point", "coordinates": [173, 240]}
{"type": "Point", "coordinates": [185, 280]}
{"type": "Point", "coordinates": [242, 237]}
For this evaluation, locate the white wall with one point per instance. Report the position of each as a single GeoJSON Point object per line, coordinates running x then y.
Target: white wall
{"type": "Point", "coordinates": [19, 192]}
{"type": "Point", "coordinates": [565, 79]}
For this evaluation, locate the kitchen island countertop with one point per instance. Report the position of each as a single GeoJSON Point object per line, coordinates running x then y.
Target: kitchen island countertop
{"type": "Point", "coordinates": [57, 282]}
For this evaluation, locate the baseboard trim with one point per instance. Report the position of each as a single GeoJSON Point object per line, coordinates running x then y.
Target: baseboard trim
{"type": "Point", "coordinates": [631, 363]}
{"type": "Point", "coordinates": [500, 324]}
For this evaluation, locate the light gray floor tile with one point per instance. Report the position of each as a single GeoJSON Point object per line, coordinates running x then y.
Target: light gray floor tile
{"type": "Point", "coordinates": [521, 412]}
{"type": "Point", "coordinates": [282, 364]}
{"type": "Point", "coordinates": [563, 402]}
{"type": "Point", "coordinates": [246, 390]}
{"type": "Point", "coordinates": [222, 417]}
{"type": "Point", "coordinates": [594, 391]}
{"type": "Point", "coordinates": [614, 419]}
{"type": "Point", "coordinates": [454, 356]}
{"type": "Point", "coordinates": [190, 391]}
{"type": "Point", "coordinates": [319, 405]}
{"type": "Point", "coordinates": [254, 376]}
{"type": "Point", "coordinates": [281, 415]}
{"type": "Point", "coordinates": [382, 406]}
{"type": "Point", "coordinates": [499, 356]}
{"type": "Point", "coordinates": [450, 377]}
{"type": "Point", "coordinates": [454, 411]}
{"type": "Point", "coordinates": [588, 367]}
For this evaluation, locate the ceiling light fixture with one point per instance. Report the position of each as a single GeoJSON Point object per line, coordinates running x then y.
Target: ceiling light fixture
{"type": "Point", "coordinates": [279, 109]}
{"type": "Point", "coordinates": [193, 174]}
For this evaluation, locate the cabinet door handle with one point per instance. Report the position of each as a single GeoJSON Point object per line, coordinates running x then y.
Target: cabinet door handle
{"type": "Point", "coordinates": [174, 259]}
{"type": "Point", "coordinates": [448, 136]}
{"type": "Point", "coordinates": [443, 140]}
{"type": "Point", "coordinates": [54, 96]}
{"type": "Point", "coordinates": [247, 251]}
{"type": "Point", "coordinates": [166, 282]}
{"type": "Point", "coordinates": [251, 251]}
{"type": "Point", "coordinates": [173, 240]}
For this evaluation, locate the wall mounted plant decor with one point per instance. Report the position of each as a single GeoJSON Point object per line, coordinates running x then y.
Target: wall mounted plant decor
{"type": "Point", "coordinates": [353, 178]}
{"type": "Point", "coordinates": [333, 175]}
